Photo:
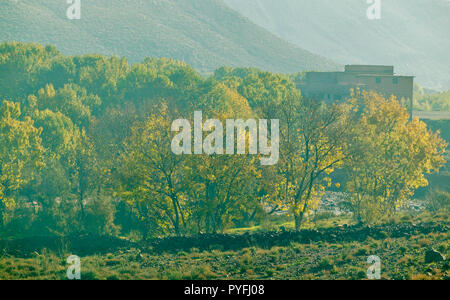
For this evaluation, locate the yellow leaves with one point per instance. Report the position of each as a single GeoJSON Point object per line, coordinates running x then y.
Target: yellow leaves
{"type": "Point", "coordinates": [47, 92]}
{"type": "Point", "coordinates": [19, 147]}
{"type": "Point", "coordinates": [327, 181]}
{"type": "Point", "coordinates": [390, 154]}
{"type": "Point", "coordinates": [8, 202]}
{"type": "Point", "coordinates": [329, 171]}
{"type": "Point", "coordinates": [10, 110]}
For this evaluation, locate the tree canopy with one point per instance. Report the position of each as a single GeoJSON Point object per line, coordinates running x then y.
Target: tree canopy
{"type": "Point", "coordinates": [85, 146]}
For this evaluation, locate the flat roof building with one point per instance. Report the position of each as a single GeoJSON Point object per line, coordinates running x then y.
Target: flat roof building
{"type": "Point", "coordinates": [335, 86]}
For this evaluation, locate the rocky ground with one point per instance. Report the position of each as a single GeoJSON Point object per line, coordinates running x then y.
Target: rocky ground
{"type": "Point", "coordinates": [421, 256]}
{"type": "Point", "coordinates": [407, 250]}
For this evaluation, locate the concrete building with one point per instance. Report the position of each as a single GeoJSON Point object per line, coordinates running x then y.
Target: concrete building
{"type": "Point", "coordinates": [335, 86]}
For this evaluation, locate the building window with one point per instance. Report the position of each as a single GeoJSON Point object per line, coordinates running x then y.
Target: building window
{"type": "Point", "coordinates": [395, 80]}
{"type": "Point", "coordinates": [378, 80]}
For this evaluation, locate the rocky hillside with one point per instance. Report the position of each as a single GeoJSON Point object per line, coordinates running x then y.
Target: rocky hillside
{"type": "Point", "coordinates": [206, 34]}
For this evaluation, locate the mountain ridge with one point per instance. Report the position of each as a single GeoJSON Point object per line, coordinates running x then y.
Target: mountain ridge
{"type": "Point", "coordinates": [206, 34]}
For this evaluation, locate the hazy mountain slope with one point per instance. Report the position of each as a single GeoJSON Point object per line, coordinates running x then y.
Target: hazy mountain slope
{"type": "Point", "coordinates": [205, 33]}
{"type": "Point", "coordinates": [413, 35]}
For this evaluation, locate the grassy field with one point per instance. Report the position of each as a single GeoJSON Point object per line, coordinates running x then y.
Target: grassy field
{"type": "Point", "coordinates": [401, 258]}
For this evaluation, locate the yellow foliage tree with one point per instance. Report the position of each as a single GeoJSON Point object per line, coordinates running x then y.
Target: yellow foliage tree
{"type": "Point", "coordinates": [20, 150]}
{"type": "Point", "coordinates": [151, 175]}
{"type": "Point", "coordinates": [388, 155]}
{"type": "Point", "coordinates": [310, 149]}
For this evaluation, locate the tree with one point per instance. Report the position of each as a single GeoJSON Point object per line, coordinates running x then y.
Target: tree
{"type": "Point", "coordinates": [58, 139]}
{"type": "Point", "coordinates": [71, 100]}
{"type": "Point", "coordinates": [151, 179]}
{"type": "Point", "coordinates": [83, 167]}
{"type": "Point", "coordinates": [20, 152]}
{"type": "Point", "coordinates": [221, 189]}
{"type": "Point", "coordinates": [21, 66]}
{"type": "Point", "coordinates": [261, 89]}
{"type": "Point", "coordinates": [311, 138]}
{"type": "Point", "coordinates": [388, 155]}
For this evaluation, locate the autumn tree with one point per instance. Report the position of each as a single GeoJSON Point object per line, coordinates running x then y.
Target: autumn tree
{"type": "Point", "coordinates": [58, 140]}
{"type": "Point", "coordinates": [388, 156]}
{"type": "Point", "coordinates": [20, 151]}
{"type": "Point", "coordinates": [221, 189]}
{"type": "Point", "coordinates": [311, 136]}
{"type": "Point", "coordinates": [151, 178]}
{"type": "Point", "coordinates": [65, 116]}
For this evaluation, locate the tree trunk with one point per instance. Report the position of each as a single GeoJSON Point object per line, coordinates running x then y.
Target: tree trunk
{"type": "Point", "coordinates": [298, 221]}
{"type": "Point", "coordinates": [177, 217]}
{"type": "Point", "coordinates": [1, 218]}
{"type": "Point", "coordinates": [81, 204]}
